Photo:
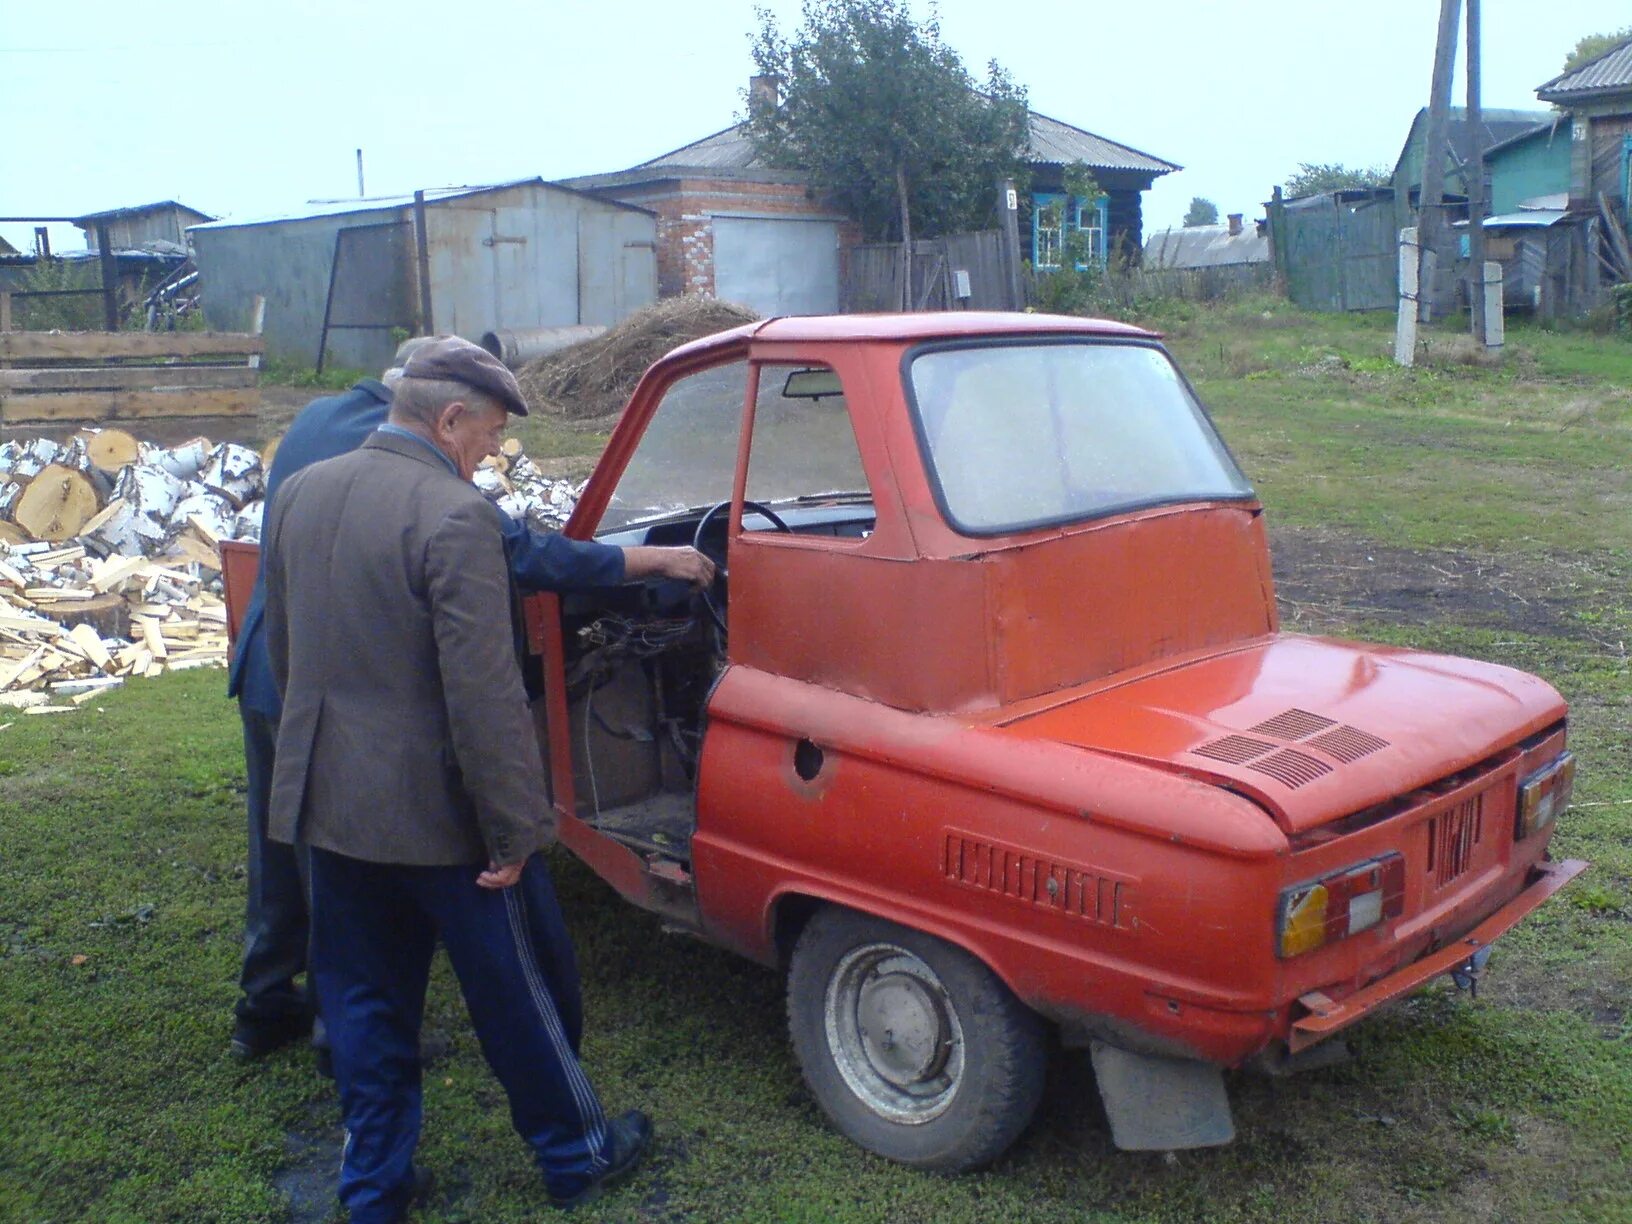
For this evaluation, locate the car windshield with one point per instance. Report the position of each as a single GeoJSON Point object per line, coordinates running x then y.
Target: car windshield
{"type": "Point", "coordinates": [1026, 435]}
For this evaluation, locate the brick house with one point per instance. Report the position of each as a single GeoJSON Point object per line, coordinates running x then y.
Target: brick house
{"type": "Point", "coordinates": [731, 227]}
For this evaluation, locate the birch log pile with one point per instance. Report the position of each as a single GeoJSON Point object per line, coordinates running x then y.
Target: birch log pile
{"type": "Point", "coordinates": [110, 561]}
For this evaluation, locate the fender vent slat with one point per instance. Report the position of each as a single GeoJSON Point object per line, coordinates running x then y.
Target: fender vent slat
{"type": "Point", "coordinates": [1292, 768]}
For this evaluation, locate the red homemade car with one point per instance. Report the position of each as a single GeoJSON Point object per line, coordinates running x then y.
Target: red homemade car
{"type": "Point", "coordinates": [990, 728]}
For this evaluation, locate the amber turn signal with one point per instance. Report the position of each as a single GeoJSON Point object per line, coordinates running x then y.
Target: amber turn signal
{"type": "Point", "coordinates": [1543, 795]}
{"type": "Point", "coordinates": [1341, 904]}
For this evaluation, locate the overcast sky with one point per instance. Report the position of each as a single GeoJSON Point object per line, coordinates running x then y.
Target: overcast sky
{"type": "Point", "coordinates": [246, 110]}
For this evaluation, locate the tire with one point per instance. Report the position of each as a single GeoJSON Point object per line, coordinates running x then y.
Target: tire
{"type": "Point", "coordinates": [956, 1075]}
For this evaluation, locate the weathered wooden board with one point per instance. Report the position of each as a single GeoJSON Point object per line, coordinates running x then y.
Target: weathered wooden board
{"type": "Point", "coordinates": [27, 346]}
{"type": "Point", "coordinates": [128, 405]}
{"type": "Point", "coordinates": [109, 378]}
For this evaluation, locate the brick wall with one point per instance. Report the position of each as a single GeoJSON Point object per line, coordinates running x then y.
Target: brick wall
{"type": "Point", "coordinates": [685, 230]}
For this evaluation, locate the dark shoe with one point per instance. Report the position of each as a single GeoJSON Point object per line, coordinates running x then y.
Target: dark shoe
{"type": "Point", "coordinates": [251, 1041]}
{"type": "Point", "coordinates": [629, 1138]}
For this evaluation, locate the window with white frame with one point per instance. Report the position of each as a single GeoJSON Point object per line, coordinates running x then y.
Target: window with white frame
{"type": "Point", "coordinates": [1054, 218]}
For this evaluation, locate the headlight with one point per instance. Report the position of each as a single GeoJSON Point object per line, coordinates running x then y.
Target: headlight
{"type": "Point", "coordinates": [1339, 905]}
{"type": "Point", "coordinates": [1543, 795]}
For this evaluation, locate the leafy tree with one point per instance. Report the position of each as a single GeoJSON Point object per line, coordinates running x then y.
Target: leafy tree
{"type": "Point", "coordinates": [884, 118]}
{"type": "Point", "coordinates": [1313, 178]}
{"type": "Point", "coordinates": [1594, 45]}
{"type": "Point", "coordinates": [1202, 212]}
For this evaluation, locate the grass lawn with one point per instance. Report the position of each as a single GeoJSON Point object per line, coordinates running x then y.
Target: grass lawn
{"type": "Point", "coordinates": [1389, 492]}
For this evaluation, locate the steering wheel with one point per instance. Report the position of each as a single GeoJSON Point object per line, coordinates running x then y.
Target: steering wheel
{"type": "Point", "coordinates": [709, 601]}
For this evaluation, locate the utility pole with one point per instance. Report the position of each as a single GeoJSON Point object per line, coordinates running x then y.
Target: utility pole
{"type": "Point", "coordinates": [1430, 225]}
{"type": "Point", "coordinates": [360, 193]}
{"type": "Point", "coordinates": [1477, 204]}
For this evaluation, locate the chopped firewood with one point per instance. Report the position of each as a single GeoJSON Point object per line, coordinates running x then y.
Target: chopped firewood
{"type": "Point", "coordinates": [21, 701]}
{"type": "Point", "coordinates": [178, 630]}
{"type": "Point", "coordinates": [206, 530]}
{"type": "Point", "coordinates": [9, 676]}
{"type": "Point", "coordinates": [30, 624]}
{"type": "Point", "coordinates": [110, 449]}
{"type": "Point", "coordinates": [116, 572]}
{"type": "Point", "coordinates": [51, 709]}
{"type": "Point", "coordinates": [10, 533]}
{"type": "Point", "coordinates": [151, 636]}
{"type": "Point", "coordinates": [88, 640]}
{"type": "Point", "coordinates": [43, 594]}
{"type": "Point", "coordinates": [67, 688]}
{"type": "Point", "coordinates": [11, 576]}
{"type": "Point", "coordinates": [57, 503]}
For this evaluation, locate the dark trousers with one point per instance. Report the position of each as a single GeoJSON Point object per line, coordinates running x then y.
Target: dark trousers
{"type": "Point", "coordinates": [275, 925]}
{"type": "Point", "coordinates": [374, 927]}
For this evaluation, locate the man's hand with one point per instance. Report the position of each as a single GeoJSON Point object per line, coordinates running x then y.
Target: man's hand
{"type": "Point", "coordinates": [685, 564]}
{"type": "Point", "coordinates": [497, 877]}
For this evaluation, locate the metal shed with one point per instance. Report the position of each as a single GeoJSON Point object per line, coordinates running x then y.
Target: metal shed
{"type": "Point", "coordinates": [339, 278]}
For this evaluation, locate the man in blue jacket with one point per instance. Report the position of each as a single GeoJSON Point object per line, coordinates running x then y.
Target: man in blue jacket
{"type": "Point", "coordinates": [272, 1010]}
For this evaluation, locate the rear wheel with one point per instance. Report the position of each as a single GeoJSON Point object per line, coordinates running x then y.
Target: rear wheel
{"type": "Point", "coordinates": [915, 1049]}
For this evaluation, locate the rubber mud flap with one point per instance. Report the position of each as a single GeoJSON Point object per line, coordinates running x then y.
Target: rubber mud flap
{"type": "Point", "coordinates": [1161, 1104]}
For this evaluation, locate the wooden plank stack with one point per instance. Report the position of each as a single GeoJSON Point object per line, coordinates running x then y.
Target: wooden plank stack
{"type": "Point", "coordinates": [107, 376]}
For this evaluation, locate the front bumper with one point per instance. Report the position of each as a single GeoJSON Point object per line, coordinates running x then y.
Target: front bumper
{"type": "Point", "coordinates": [1326, 1016]}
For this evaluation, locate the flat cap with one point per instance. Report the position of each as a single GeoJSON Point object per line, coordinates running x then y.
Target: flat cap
{"type": "Point", "coordinates": [455, 360]}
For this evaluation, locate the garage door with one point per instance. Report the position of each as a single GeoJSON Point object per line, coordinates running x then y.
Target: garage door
{"type": "Point", "coordinates": [777, 266]}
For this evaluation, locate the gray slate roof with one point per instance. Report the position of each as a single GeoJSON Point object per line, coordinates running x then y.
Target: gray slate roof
{"type": "Point", "coordinates": [730, 154]}
{"type": "Point", "coordinates": [1610, 73]}
{"type": "Point", "coordinates": [1206, 246]}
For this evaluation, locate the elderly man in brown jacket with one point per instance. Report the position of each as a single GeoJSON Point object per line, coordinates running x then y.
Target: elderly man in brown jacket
{"type": "Point", "coordinates": [406, 762]}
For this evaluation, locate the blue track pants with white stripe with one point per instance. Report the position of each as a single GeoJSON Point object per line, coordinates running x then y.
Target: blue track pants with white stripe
{"type": "Point", "coordinates": [374, 928]}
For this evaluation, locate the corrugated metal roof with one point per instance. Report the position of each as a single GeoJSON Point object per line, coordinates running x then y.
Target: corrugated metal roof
{"type": "Point", "coordinates": [1535, 217]}
{"type": "Point", "coordinates": [1054, 142]}
{"type": "Point", "coordinates": [1611, 72]}
{"type": "Point", "coordinates": [1206, 246]}
{"type": "Point", "coordinates": [433, 195]}
{"type": "Point", "coordinates": [730, 153]}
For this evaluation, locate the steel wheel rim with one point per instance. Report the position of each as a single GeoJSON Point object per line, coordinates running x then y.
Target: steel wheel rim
{"type": "Point", "coordinates": [894, 1034]}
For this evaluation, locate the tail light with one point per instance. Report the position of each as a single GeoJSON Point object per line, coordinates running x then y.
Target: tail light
{"type": "Point", "coordinates": [1339, 905]}
{"type": "Point", "coordinates": [1543, 795]}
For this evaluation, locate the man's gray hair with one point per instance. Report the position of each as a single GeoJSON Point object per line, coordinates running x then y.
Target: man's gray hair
{"type": "Point", "coordinates": [423, 399]}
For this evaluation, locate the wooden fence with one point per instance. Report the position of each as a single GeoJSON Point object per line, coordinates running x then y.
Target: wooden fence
{"type": "Point", "coordinates": [957, 272]}
{"type": "Point", "coordinates": [76, 377]}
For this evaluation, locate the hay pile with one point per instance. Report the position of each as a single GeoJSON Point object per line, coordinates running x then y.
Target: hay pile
{"type": "Point", "coordinates": [595, 378]}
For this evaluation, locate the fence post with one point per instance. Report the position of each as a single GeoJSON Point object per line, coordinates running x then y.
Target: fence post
{"type": "Point", "coordinates": [110, 278]}
{"type": "Point", "coordinates": [1008, 212]}
{"type": "Point", "coordinates": [1495, 327]}
{"type": "Point", "coordinates": [1405, 326]}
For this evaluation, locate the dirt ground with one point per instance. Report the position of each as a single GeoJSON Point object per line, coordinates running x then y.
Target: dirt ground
{"type": "Point", "coordinates": [1325, 576]}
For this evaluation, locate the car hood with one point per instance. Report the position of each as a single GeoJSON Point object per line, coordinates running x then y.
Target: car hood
{"type": "Point", "coordinates": [1313, 729]}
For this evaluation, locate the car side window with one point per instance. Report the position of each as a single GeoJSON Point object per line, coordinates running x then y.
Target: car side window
{"type": "Point", "coordinates": [688, 455]}
{"type": "Point", "coordinates": [803, 446]}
